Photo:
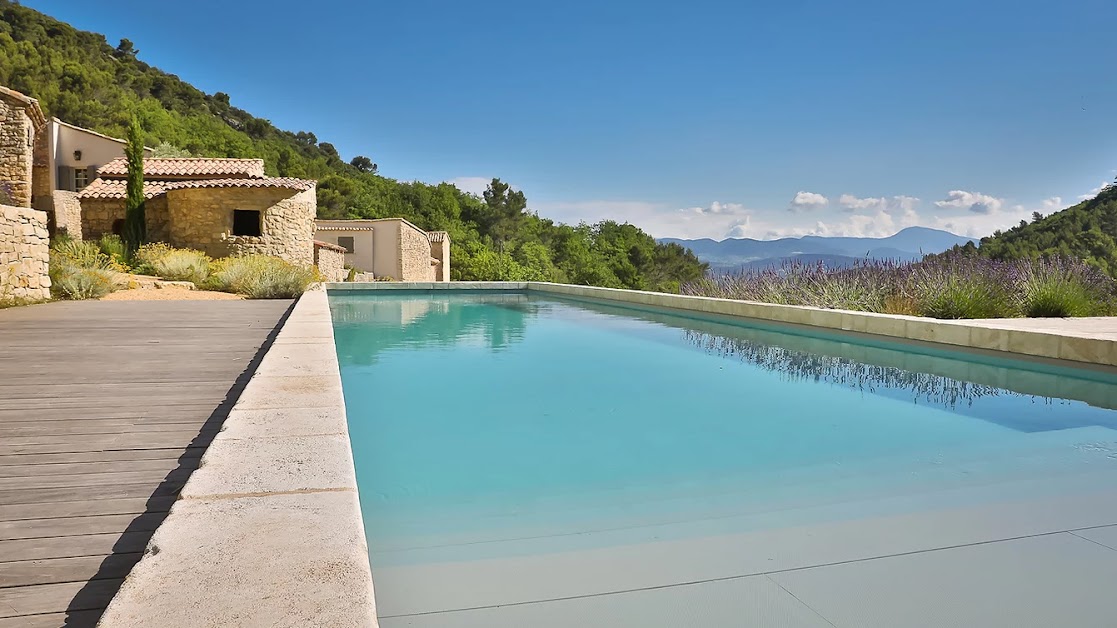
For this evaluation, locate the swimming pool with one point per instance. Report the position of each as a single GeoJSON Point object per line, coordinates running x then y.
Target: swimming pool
{"type": "Point", "coordinates": [513, 448]}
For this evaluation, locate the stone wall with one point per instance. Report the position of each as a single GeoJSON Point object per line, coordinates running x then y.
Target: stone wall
{"type": "Point", "coordinates": [24, 253]}
{"type": "Point", "coordinates": [98, 215]}
{"type": "Point", "coordinates": [66, 213]}
{"type": "Point", "coordinates": [17, 137]}
{"type": "Point", "coordinates": [415, 254]}
{"type": "Point", "coordinates": [202, 218]}
{"type": "Point", "coordinates": [440, 250]}
{"type": "Point", "coordinates": [41, 197]}
{"type": "Point", "coordinates": [330, 261]}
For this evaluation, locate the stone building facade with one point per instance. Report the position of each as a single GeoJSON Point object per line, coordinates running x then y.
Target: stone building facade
{"type": "Point", "coordinates": [65, 213]}
{"type": "Point", "coordinates": [390, 248]}
{"type": "Point", "coordinates": [20, 119]}
{"type": "Point", "coordinates": [24, 254]}
{"type": "Point", "coordinates": [330, 260]}
{"type": "Point", "coordinates": [440, 251]}
{"type": "Point", "coordinates": [220, 206]}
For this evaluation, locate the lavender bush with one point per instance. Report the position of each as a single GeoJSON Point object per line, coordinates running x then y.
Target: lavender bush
{"type": "Point", "coordinates": [961, 286]}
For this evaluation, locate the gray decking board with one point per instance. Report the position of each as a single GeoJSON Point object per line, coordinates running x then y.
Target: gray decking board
{"type": "Point", "coordinates": [105, 410]}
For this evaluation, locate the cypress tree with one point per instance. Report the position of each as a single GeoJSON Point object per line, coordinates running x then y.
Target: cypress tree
{"type": "Point", "coordinates": [134, 232]}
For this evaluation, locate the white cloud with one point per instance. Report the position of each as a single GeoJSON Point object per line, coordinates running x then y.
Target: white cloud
{"type": "Point", "coordinates": [1054, 203]}
{"type": "Point", "coordinates": [975, 202]}
{"type": "Point", "coordinates": [1094, 192]}
{"type": "Point", "coordinates": [472, 185]}
{"type": "Point", "coordinates": [851, 203]}
{"type": "Point", "coordinates": [740, 228]}
{"type": "Point", "coordinates": [806, 201]}
{"type": "Point", "coordinates": [719, 208]}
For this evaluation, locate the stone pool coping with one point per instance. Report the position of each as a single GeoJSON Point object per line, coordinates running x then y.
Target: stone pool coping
{"type": "Point", "coordinates": [268, 531]}
{"type": "Point", "coordinates": [1055, 341]}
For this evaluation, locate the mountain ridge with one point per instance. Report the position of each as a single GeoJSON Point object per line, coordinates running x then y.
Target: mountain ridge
{"type": "Point", "coordinates": [907, 244]}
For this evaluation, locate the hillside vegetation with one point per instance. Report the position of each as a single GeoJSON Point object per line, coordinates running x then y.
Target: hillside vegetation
{"type": "Point", "coordinates": [80, 78]}
{"type": "Point", "coordinates": [1086, 231]}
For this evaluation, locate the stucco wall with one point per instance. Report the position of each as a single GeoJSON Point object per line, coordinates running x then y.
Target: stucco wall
{"type": "Point", "coordinates": [364, 246]}
{"type": "Point", "coordinates": [202, 218]}
{"type": "Point", "coordinates": [17, 137]}
{"type": "Point", "coordinates": [414, 254]}
{"type": "Point", "coordinates": [330, 263]}
{"type": "Point", "coordinates": [24, 253]}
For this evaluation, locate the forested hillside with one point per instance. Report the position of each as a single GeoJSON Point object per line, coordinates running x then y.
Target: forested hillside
{"type": "Point", "coordinates": [80, 78]}
{"type": "Point", "coordinates": [1086, 231]}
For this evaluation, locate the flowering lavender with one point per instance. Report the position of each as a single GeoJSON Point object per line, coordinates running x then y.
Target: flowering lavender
{"type": "Point", "coordinates": [949, 286]}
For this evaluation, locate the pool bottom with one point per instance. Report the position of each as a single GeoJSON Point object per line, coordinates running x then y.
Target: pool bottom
{"type": "Point", "coordinates": [538, 499]}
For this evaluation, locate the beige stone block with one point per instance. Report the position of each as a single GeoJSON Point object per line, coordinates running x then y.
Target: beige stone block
{"type": "Point", "coordinates": [989, 338]}
{"type": "Point", "coordinates": [1033, 343]}
{"type": "Point", "coordinates": [283, 464]}
{"type": "Point", "coordinates": [304, 391]}
{"type": "Point", "coordinates": [282, 560]}
{"type": "Point", "coordinates": [930, 330]}
{"type": "Point", "coordinates": [1092, 350]}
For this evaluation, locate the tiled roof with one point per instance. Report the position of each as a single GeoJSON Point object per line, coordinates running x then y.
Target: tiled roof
{"type": "Point", "coordinates": [172, 167]}
{"type": "Point", "coordinates": [267, 182]}
{"type": "Point", "coordinates": [326, 245]}
{"type": "Point", "coordinates": [117, 188]}
{"type": "Point", "coordinates": [321, 227]}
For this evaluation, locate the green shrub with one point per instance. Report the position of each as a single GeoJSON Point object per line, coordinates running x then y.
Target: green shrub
{"type": "Point", "coordinates": [173, 264]}
{"type": "Point", "coordinates": [261, 277]}
{"type": "Point", "coordinates": [111, 245]}
{"type": "Point", "coordinates": [69, 282]}
{"type": "Point", "coordinates": [79, 254]}
{"type": "Point", "coordinates": [1062, 288]}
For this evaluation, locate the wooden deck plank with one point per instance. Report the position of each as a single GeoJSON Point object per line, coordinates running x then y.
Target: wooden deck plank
{"type": "Point", "coordinates": [159, 453]}
{"type": "Point", "coordinates": [76, 619]}
{"type": "Point", "coordinates": [107, 466]}
{"type": "Point", "coordinates": [96, 479]}
{"type": "Point", "coordinates": [59, 570]}
{"type": "Point", "coordinates": [68, 526]}
{"type": "Point", "coordinates": [108, 407]}
{"type": "Point", "coordinates": [86, 508]}
{"type": "Point", "coordinates": [71, 546]}
{"type": "Point", "coordinates": [54, 598]}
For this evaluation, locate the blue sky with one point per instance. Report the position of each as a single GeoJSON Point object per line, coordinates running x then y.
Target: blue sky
{"type": "Point", "coordinates": [689, 119]}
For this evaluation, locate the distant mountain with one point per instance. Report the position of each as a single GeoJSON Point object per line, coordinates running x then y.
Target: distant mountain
{"type": "Point", "coordinates": [738, 253]}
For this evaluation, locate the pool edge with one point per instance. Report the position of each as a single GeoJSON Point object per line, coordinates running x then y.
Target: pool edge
{"type": "Point", "coordinates": [984, 336]}
{"type": "Point", "coordinates": [269, 528]}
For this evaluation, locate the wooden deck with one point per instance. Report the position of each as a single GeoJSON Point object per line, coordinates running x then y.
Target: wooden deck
{"type": "Point", "coordinates": [105, 409]}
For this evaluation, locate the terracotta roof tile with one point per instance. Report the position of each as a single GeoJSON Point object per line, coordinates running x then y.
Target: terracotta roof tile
{"type": "Point", "coordinates": [318, 244]}
{"type": "Point", "coordinates": [173, 167]}
{"type": "Point", "coordinates": [117, 188]}
{"type": "Point", "coordinates": [267, 182]}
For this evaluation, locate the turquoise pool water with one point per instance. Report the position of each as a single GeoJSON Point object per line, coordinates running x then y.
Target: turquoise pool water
{"type": "Point", "coordinates": [489, 427]}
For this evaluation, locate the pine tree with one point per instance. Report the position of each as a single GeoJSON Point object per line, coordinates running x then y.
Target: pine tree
{"type": "Point", "coordinates": [135, 225]}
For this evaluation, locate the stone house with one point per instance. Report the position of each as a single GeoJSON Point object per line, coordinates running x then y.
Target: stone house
{"type": "Point", "coordinates": [21, 119]}
{"type": "Point", "coordinates": [23, 230]}
{"type": "Point", "coordinates": [219, 206]}
{"type": "Point", "coordinates": [389, 247]}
